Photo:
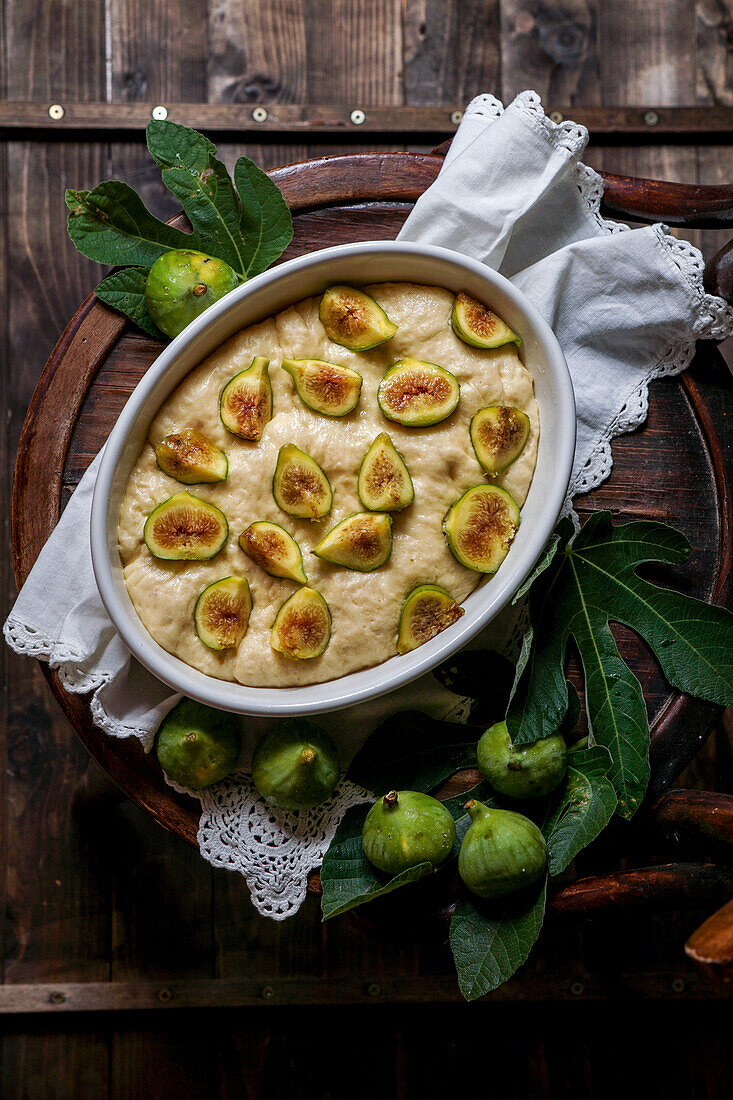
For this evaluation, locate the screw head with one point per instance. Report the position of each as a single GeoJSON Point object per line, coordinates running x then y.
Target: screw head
{"type": "Point", "coordinates": [56, 112]}
{"type": "Point", "coordinates": [160, 113]}
{"type": "Point", "coordinates": [374, 989]}
{"type": "Point", "coordinates": [268, 992]}
{"type": "Point", "coordinates": [57, 998]}
{"type": "Point", "coordinates": [577, 989]}
{"type": "Point", "coordinates": [678, 985]}
{"type": "Point", "coordinates": [259, 114]}
{"type": "Point", "coordinates": [556, 116]}
{"type": "Point", "coordinates": [455, 117]}
{"type": "Point", "coordinates": [357, 117]}
{"type": "Point", "coordinates": [651, 118]}
{"type": "Point", "coordinates": [164, 995]}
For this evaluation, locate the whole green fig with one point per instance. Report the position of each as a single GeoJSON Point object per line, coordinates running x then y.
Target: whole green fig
{"type": "Point", "coordinates": [406, 828]}
{"type": "Point", "coordinates": [181, 284]}
{"type": "Point", "coordinates": [522, 771]}
{"type": "Point", "coordinates": [502, 852]}
{"type": "Point", "coordinates": [295, 766]}
{"type": "Point", "coordinates": [197, 745]}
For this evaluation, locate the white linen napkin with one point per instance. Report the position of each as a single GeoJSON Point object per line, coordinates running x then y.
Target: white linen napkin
{"type": "Point", "coordinates": [626, 307]}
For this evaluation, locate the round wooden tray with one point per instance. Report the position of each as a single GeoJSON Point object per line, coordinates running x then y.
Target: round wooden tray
{"type": "Point", "coordinates": [673, 469]}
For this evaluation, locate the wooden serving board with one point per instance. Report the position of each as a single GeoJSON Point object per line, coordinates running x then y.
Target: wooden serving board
{"type": "Point", "coordinates": [674, 469]}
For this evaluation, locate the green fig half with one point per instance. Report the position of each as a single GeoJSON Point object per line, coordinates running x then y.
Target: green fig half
{"type": "Point", "coordinates": [499, 434]}
{"type": "Point", "coordinates": [405, 828]}
{"type": "Point", "coordinates": [502, 852]}
{"type": "Point", "coordinates": [295, 766]}
{"type": "Point", "coordinates": [478, 326]}
{"type": "Point", "coordinates": [326, 388]}
{"type": "Point", "coordinates": [197, 745]}
{"type": "Point", "coordinates": [426, 612]}
{"type": "Point", "coordinates": [384, 483]}
{"type": "Point", "coordinates": [362, 541]}
{"type": "Point", "coordinates": [181, 284]}
{"type": "Point", "coordinates": [417, 394]}
{"type": "Point", "coordinates": [481, 526]}
{"type": "Point", "coordinates": [275, 550]}
{"type": "Point", "coordinates": [302, 626]}
{"type": "Point", "coordinates": [222, 611]}
{"type": "Point", "coordinates": [191, 458]}
{"type": "Point", "coordinates": [300, 486]}
{"type": "Point", "coordinates": [185, 528]}
{"type": "Point", "coordinates": [521, 771]}
{"type": "Point", "coordinates": [354, 320]}
{"type": "Point", "coordinates": [245, 403]}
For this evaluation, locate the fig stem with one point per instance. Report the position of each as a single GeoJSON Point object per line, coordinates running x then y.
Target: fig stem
{"type": "Point", "coordinates": [307, 756]}
{"type": "Point", "coordinates": [390, 799]}
{"type": "Point", "coordinates": [199, 289]}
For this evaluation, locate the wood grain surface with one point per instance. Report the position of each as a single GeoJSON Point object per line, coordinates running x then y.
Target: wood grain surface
{"type": "Point", "coordinates": [99, 893]}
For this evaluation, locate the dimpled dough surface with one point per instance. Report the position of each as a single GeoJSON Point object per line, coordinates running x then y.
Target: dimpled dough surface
{"type": "Point", "coordinates": [365, 607]}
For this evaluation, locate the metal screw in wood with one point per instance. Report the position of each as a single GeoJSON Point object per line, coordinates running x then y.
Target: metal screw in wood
{"type": "Point", "coordinates": [268, 992]}
{"type": "Point", "coordinates": [57, 998]}
{"type": "Point", "coordinates": [456, 117]}
{"type": "Point", "coordinates": [556, 116]}
{"type": "Point", "coordinates": [164, 995]}
{"type": "Point", "coordinates": [259, 114]}
{"type": "Point", "coordinates": [56, 112]}
{"type": "Point", "coordinates": [651, 118]}
{"type": "Point", "coordinates": [357, 117]}
{"type": "Point", "coordinates": [160, 113]}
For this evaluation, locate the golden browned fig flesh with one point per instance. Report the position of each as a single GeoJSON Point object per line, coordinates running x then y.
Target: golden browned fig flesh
{"type": "Point", "coordinates": [300, 486]}
{"type": "Point", "coordinates": [185, 528]}
{"type": "Point", "coordinates": [499, 434]}
{"type": "Point", "coordinates": [480, 527]}
{"type": "Point", "coordinates": [475, 324]}
{"type": "Point", "coordinates": [326, 388]}
{"type": "Point", "coordinates": [302, 627]}
{"type": "Point", "coordinates": [362, 542]}
{"type": "Point", "coordinates": [384, 483]}
{"type": "Point", "coordinates": [191, 458]}
{"type": "Point", "coordinates": [274, 550]}
{"type": "Point", "coordinates": [426, 612]}
{"type": "Point", "coordinates": [245, 404]}
{"type": "Point", "coordinates": [417, 394]}
{"type": "Point", "coordinates": [353, 319]}
{"type": "Point", "coordinates": [222, 613]}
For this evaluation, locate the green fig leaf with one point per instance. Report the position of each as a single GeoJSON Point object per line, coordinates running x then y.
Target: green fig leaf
{"type": "Point", "coordinates": [411, 751]}
{"type": "Point", "coordinates": [125, 291]}
{"type": "Point", "coordinates": [203, 186]}
{"type": "Point", "coordinates": [348, 878]}
{"type": "Point", "coordinates": [490, 941]}
{"type": "Point", "coordinates": [581, 810]}
{"type": "Point", "coordinates": [267, 226]}
{"type": "Point", "coordinates": [111, 225]}
{"type": "Point", "coordinates": [591, 581]}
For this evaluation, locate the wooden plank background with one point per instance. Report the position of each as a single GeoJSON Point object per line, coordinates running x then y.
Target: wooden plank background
{"type": "Point", "coordinates": [109, 897]}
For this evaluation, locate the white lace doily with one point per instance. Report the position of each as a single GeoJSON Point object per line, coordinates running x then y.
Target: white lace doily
{"type": "Point", "coordinates": [463, 210]}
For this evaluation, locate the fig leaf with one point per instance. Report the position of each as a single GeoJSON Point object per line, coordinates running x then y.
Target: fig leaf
{"type": "Point", "coordinates": [124, 290]}
{"type": "Point", "coordinates": [490, 941]}
{"type": "Point", "coordinates": [111, 225]}
{"type": "Point", "coordinates": [591, 581]}
{"type": "Point", "coordinates": [582, 808]}
{"type": "Point", "coordinates": [267, 226]}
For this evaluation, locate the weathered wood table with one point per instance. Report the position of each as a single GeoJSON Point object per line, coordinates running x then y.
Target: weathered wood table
{"type": "Point", "coordinates": [677, 468]}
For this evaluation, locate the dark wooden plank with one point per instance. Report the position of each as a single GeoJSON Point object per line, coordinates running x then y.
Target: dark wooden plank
{"type": "Point", "coordinates": [451, 50]}
{"type": "Point", "coordinates": [552, 48]}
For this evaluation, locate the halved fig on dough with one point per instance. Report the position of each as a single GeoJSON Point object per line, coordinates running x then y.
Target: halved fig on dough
{"type": "Point", "coordinates": [478, 326]}
{"type": "Point", "coordinates": [300, 486]}
{"type": "Point", "coordinates": [245, 403]}
{"type": "Point", "coordinates": [324, 387]}
{"type": "Point", "coordinates": [191, 458]}
{"type": "Point", "coordinates": [221, 615]}
{"type": "Point", "coordinates": [499, 434]}
{"type": "Point", "coordinates": [480, 527]}
{"type": "Point", "coordinates": [275, 550]}
{"type": "Point", "coordinates": [185, 528]}
{"type": "Point", "coordinates": [362, 542]}
{"type": "Point", "coordinates": [354, 320]}
{"type": "Point", "coordinates": [384, 483]}
{"type": "Point", "coordinates": [417, 394]}
{"type": "Point", "coordinates": [302, 627]}
{"type": "Point", "coordinates": [427, 611]}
